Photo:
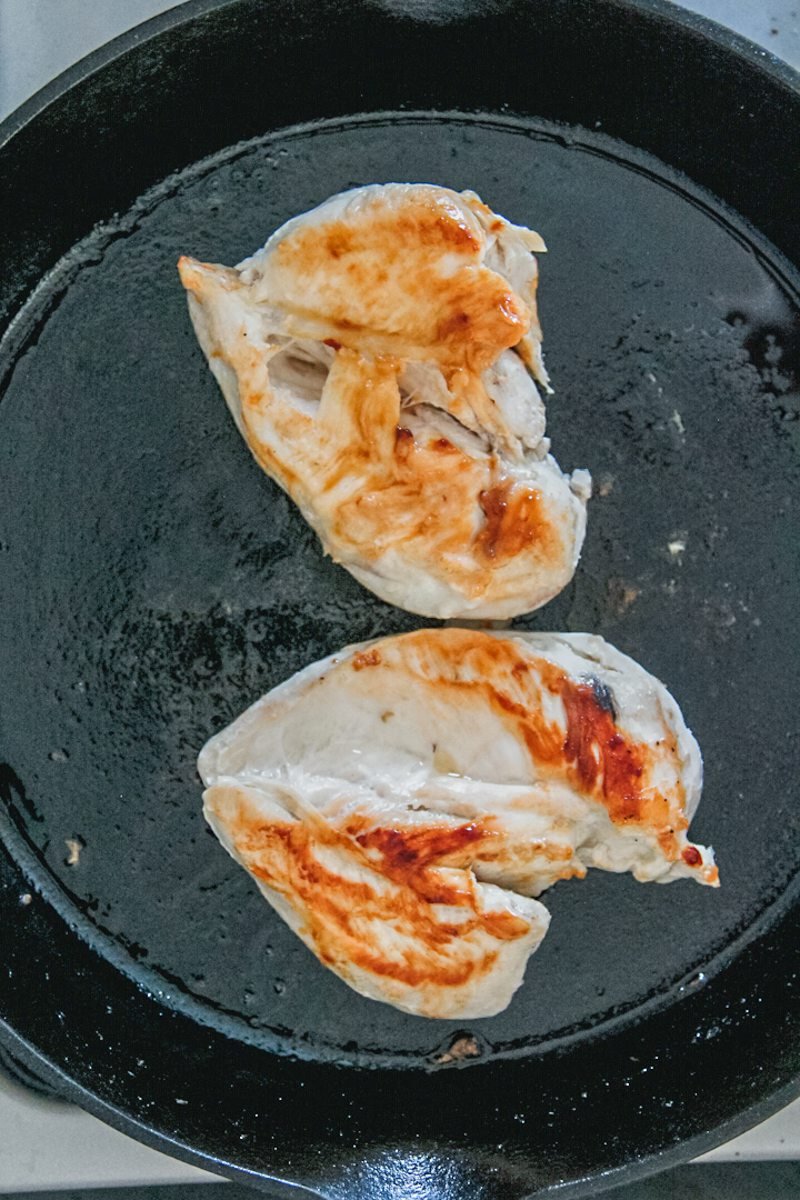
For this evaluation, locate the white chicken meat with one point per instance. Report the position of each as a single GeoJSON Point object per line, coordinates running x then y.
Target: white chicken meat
{"type": "Point", "coordinates": [401, 804]}
{"type": "Point", "coordinates": [379, 356]}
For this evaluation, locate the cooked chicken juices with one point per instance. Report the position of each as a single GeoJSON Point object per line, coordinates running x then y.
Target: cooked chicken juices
{"type": "Point", "coordinates": [379, 356]}
{"type": "Point", "coordinates": [403, 803]}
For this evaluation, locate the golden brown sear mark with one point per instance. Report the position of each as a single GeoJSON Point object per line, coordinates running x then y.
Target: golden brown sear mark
{"type": "Point", "coordinates": [515, 520]}
{"type": "Point", "coordinates": [366, 658]}
{"type": "Point", "coordinates": [336, 907]}
{"type": "Point", "coordinates": [590, 751]}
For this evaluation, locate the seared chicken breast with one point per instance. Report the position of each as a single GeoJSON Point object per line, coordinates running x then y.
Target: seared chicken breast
{"type": "Point", "coordinates": [403, 803]}
{"type": "Point", "coordinates": [380, 356]}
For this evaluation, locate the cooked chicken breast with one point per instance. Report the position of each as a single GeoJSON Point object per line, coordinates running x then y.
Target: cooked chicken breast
{"type": "Point", "coordinates": [378, 356]}
{"type": "Point", "coordinates": [402, 803]}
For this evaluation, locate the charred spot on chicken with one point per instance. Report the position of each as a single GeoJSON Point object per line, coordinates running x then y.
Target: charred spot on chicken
{"type": "Point", "coordinates": [380, 355]}
{"type": "Point", "coordinates": [403, 804]}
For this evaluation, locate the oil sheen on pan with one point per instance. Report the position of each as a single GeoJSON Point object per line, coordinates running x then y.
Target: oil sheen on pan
{"type": "Point", "coordinates": [402, 804]}
{"type": "Point", "coordinates": [380, 355]}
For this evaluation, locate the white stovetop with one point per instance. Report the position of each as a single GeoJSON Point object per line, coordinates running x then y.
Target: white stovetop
{"type": "Point", "coordinates": [49, 1144]}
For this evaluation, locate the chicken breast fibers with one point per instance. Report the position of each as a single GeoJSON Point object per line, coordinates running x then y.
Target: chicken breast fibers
{"type": "Point", "coordinates": [402, 804]}
{"type": "Point", "coordinates": [379, 356]}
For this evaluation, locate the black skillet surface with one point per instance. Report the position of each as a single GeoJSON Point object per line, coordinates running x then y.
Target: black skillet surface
{"type": "Point", "coordinates": [153, 582]}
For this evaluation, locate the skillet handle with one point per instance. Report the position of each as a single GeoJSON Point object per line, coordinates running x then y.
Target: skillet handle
{"type": "Point", "coordinates": [429, 1175]}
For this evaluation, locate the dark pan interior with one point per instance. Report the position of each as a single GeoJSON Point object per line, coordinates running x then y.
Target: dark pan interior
{"type": "Point", "coordinates": [159, 582]}
{"type": "Point", "coordinates": [153, 582]}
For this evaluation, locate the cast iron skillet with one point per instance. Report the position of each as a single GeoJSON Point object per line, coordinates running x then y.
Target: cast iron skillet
{"type": "Point", "coordinates": [153, 582]}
